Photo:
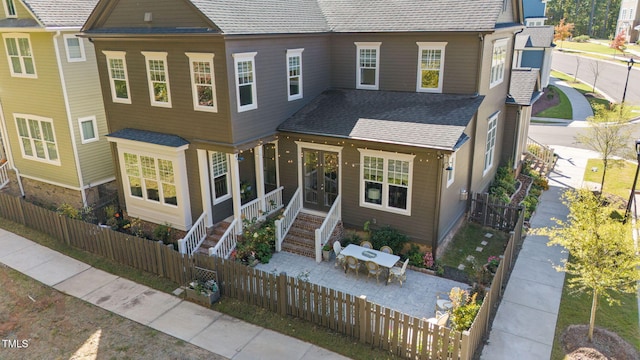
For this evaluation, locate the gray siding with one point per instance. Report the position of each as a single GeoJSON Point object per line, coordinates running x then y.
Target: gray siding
{"type": "Point", "coordinates": [399, 60]}
{"type": "Point", "coordinates": [419, 226]}
{"type": "Point", "coordinates": [130, 14]}
{"type": "Point", "coordinates": [451, 207]}
{"type": "Point", "coordinates": [271, 81]}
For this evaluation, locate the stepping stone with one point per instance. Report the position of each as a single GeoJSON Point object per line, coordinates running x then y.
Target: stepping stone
{"type": "Point", "coordinates": [483, 243]}
{"type": "Point", "coordinates": [461, 267]}
{"type": "Point", "coordinates": [488, 235]}
{"type": "Point", "coordinates": [479, 249]}
{"type": "Point", "coordinates": [470, 257]}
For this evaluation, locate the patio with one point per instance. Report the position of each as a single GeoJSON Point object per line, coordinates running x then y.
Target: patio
{"type": "Point", "coordinates": [417, 297]}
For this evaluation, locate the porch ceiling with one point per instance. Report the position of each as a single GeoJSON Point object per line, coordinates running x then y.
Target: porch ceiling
{"type": "Point", "coordinates": [415, 119]}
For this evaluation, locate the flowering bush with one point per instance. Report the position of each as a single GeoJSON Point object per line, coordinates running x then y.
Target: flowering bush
{"type": "Point", "coordinates": [428, 260]}
{"type": "Point", "coordinates": [493, 261]}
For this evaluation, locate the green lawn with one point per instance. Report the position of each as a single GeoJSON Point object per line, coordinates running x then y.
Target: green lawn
{"type": "Point", "coordinates": [561, 111]}
{"type": "Point", "coordinates": [584, 89]}
{"type": "Point", "coordinates": [619, 176]}
{"type": "Point", "coordinates": [576, 308]}
{"type": "Point", "coordinates": [592, 47]}
{"type": "Point", "coordinates": [465, 242]}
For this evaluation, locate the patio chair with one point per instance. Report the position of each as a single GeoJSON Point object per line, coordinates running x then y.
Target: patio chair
{"type": "Point", "coordinates": [366, 244]}
{"type": "Point", "coordinates": [440, 319]}
{"type": "Point", "coordinates": [351, 263]}
{"type": "Point", "coordinates": [387, 249]}
{"type": "Point", "coordinates": [399, 273]}
{"type": "Point", "coordinates": [373, 270]}
{"type": "Point", "coordinates": [337, 248]}
{"type": "Point", "coordinates": [443, 302]}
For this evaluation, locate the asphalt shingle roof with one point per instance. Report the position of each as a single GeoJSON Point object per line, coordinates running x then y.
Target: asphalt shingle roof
{"type": "Point", "coordinates": [537, 36]}
{"type": "Point", "coordinates": [150, 137]}
{"type": "Point", "coordinates": [306, 16]}
{"type": "Point", "coordinates": [61, 13]}
{"type": "Point", "coordinates": [417, 119]}
{"type": "Point", "coordinates": [523, 87]}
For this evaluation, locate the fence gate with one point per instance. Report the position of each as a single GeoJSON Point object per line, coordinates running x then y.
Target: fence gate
{"type": "Point", "coordinates": [489, 211]}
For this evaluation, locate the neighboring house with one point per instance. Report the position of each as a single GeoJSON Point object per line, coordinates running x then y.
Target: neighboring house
{"type": "Point", "coordinates": [52, 116]}
{"type": "Point", "coordinates": [534, 45]}
{"type": "Point", "coordinates": [389, 112]}
{"type": "Point", "coordinates": [629, 20]}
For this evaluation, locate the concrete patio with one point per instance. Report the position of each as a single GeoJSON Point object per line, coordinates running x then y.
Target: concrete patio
{"type": "Point", "coordinates": [416, 297]}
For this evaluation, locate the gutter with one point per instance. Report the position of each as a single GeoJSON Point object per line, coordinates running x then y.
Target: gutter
{"type": "Point", "coordinates": [69, 119]}
{"type": "Point", "coordinates": [12, 163]}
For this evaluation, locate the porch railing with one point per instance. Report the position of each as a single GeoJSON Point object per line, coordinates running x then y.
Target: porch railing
{"type": "Point", "coordinates": [288, 217]}
{"type": "Point", "coordinates": [4, 176]}
{"type": "Point", "coordinates": [323, 233]}
{"type": "Point", "coordinates": [540, 151]}
{"type": "Point", "coordinates": [227, 242]}
{"type": "Point", "coordinates": [194, 238]}
{"type": "Point", "coordinates": [257, 209]}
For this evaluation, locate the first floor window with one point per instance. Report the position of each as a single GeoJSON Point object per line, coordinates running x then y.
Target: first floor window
{"type": "Point", "coordinates": [368, 60]}
{"type": "Point", "coordinates": [451, 169]}
{"type": "Point", "coordinates": [118, 76]}
{"type": "Point", "coordinates": [88, 129]}
{"type": "Point", "coordinates": [270, 166]}
{"type": "Point", "coordinates": [386, 181]}
{"type": "Point", "coordinates": [37, 138]}
{"type": "Point", "coordinates": [244, 64]}
{"type": "Point", "coordinates": [151, 178]}
{"type": "Point", "coordinates": [20, 56]}
{"type": "Point", "coordinates": [220, 176]}
{"type": "Point", "coordinates": [490, 148]}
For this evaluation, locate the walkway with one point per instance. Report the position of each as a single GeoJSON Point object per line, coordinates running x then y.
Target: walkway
{"type": "Point", "coordinates": [524, 326]}
{"type": "Point", "coordinates": [580, 107]}
{"type": "Point", "coordinates": [203, 327]}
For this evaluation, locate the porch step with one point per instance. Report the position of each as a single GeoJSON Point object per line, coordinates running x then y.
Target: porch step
{"type": "Point", "coordinates": [300, 239]}
{"type": "Point", "coordinates": [214, 235]}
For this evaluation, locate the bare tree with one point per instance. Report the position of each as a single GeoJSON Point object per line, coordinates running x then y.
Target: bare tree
{"type": "Point", "coordinates": [575, 75]}
{"type": "Point", "coordinates": [595, 70]}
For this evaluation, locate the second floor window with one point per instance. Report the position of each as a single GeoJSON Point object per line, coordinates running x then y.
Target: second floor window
{"type": "Point", "coordinates": [158, 77]}
{"type": "Point", "coordinates": [498, 62]}
{"type": "Point", "coordinates": [117, 67]}
{"type": "Point", "coordinates": [19, 54]}
{"type": "Point", "coordinates": [74, 47]}
{"type": "Point", "coordinates": [37, 139]}
{"type": "Point", "coordinates": [10, 8]}
{"type": "Point", "coordinates": [368, 58]}
{"type": "Point", "coordinates": [294, 74]}
{"type": "Point", "coordinates": [430, 66]}
{"type": "Point", "coordinates": [88, 129]}
{"type": "Point", "coordinates": [490, 148]}
{"type": "Point", "coordinates": [203, 83]}
{"type": "Point", "coordinates": [244, 64]}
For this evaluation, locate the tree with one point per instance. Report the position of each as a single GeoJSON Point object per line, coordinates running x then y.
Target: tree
{"type": "Point", "coordinates": [618, 43]}
{"type": "Point", "coordinates": [607, 134]}
{"type": "Point", "coordinates": [602, 256]}
{"type": "Point", "coordinates": [562, 31]}
{"type": "Point", "coordinates": [595, 70]}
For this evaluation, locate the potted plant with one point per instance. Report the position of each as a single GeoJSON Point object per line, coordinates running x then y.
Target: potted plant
{"type": "Point", "coordinates": [326, 252]}
{"type": "Point", "coordinates": [205, 293]}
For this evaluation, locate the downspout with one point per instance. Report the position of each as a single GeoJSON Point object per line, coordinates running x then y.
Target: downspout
{"type": "Point", "coordinates": [436, 214]}
{"type": "Point", "coordinates": [7, 149]}
{"type": "Point", "coordinates": [516, 143]}
{"type": "Point", "coordinates": [68, 110]}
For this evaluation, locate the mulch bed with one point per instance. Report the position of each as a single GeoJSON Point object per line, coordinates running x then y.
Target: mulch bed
{"type": "Point", "coordinates": [547, 100]}
{"type": "Point", "coordinates": [606, 345]}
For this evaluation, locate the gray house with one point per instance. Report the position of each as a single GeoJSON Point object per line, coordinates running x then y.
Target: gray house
{"type": "Point", "coordinates": [223, 110]}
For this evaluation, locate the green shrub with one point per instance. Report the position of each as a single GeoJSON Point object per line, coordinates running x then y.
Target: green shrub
{"type": "Point", "coordinates": [162, 232]}
{"type": "Point", "coordinates": [351, 238]}
{"type": "Point", "coordinates": [415, 256]}
{"type": "Point", "coordinates": [462, 317]}
{"type": "Point", "coordinates": [581, 38]}
{"type": "Point", "coordinates": [389, 236]}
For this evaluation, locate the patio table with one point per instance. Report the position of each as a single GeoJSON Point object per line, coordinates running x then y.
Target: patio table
{"type": "Point", "coordinates": [364, 254]}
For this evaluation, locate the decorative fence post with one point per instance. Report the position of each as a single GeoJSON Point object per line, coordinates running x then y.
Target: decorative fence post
{"type": "Point", "coordinates": [282, 293]}
{"type": "Point", "coordinates": [361, 310]}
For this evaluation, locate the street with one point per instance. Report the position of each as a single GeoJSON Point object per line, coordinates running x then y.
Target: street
{"type": "Point", "coordinates": [611, 76]}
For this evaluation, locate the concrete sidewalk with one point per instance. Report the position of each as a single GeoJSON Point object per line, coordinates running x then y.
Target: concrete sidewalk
{"type": "Point", "coordinates": [581, 109]}
{"type": "Point", "coordinates": [524, 326]}
{"type": "Point", "coordinates": [203, 327]}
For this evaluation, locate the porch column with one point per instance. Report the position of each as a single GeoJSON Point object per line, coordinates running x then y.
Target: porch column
{"type": "Point", "coordinates": [205, 189]}
{"type": "Point", "coordinates": [257, 153]}
{"type": "Point", "coordinates": [235, 190]}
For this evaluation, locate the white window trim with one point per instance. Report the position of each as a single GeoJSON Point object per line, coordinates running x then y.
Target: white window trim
{"type": "Point", "coordinates": [118, 55]}
{"type": "Point", "coordinates": [203, 57]}
{"type": "Point", "coordinates": [294, 53]}
{"type": "Point", "coordinates": [489, 166]}
{"type": "Point", "coordinates": [6, 9]}
{"type": "Point", "coordinates": [364, 46]}
{"type": "Point", "coordinates": [500, 80]}
{"type": "Point", "coordinates": [242, 57]}
{"type": "Point", "coordinates": [451, 174]}
{"type": "Point", "coordinates": [160, 56]}
{"type": "Point", "coordinates": [23, 74]}
{"type": "Point", "coordinates": [213, 188]}
{"type": "Point", "coordinates": [430, 46]}
{"type": "Point", "coordinates": [385, 185]}
{"type": "Point", "coordinates": [94, 122]}
{"type": "Point", "coordinates": [83, 56]}
{"type": "Point", "coordinates": [39, 119]}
